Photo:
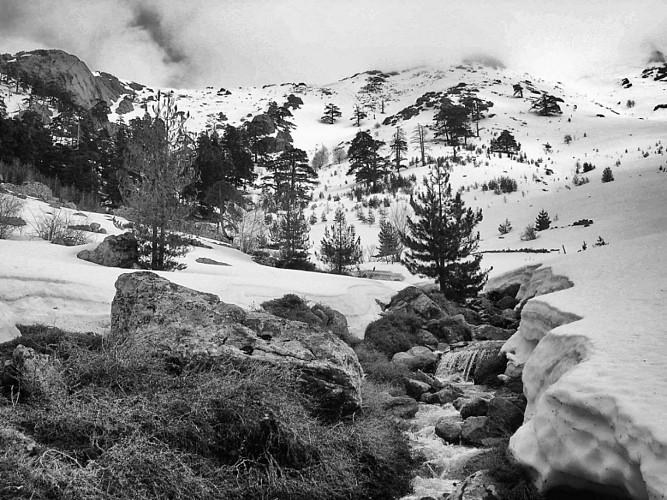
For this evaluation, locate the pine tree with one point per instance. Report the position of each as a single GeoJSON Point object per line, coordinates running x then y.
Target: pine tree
{"type": "Point", "coordinates": [390, 242]}
{"type": "Point", "coordinates": [340, 247]}
{"type": "Point", "coordinates": [542, 221]}
{"type": "Point", "coordinates": [291, 178]}
{"type": "Point", "coordinates": [451, 122]}
{"type": "Point", "coordinates": [365, 161]}
{"type": "Point", "coordinates": [358, 114]}
{"type": "Point", "coordinates": [398, 146]}
{"type": "Point", "coordinates": [547, 105]}
{"type": "Point", "coordinates": [607, 175]}
{"type": "Point", "coordinates": [476, 107]}
{"type": "Point", "coordinates": [291, 234]}
{"type": "Point", "coordinates": [505, 143]}
{"type": "Point", "coordinates": [331, 112]}
{"type": "Point", "coordinates": [159, 158]}
{"type": "Point", "coordinates": [441, 241]}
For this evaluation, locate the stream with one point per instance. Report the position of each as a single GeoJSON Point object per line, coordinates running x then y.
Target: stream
{"type": "Point", "coordinates": [442, 459]}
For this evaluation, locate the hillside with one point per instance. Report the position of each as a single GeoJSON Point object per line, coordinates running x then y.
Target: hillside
{"type": "Point", "coordinates": [615, 385]}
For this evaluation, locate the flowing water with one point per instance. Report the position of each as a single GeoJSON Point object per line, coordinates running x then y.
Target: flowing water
{"type": "Point", "coordinates": [441, 458]}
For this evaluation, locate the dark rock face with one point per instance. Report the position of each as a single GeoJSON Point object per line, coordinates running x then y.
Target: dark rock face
{"type": "Point", "coordinates": [125, 106]}
{"type": "Point", "coordinates": [115, 251]}
{"type": "Point", "coordinates": [149, 313]}
{"type": "Point", "coordinates": [415, 388]}
{"type": "Point", "coordinates": [474, 431]}
{"type": "Point", "coordinates": [477, 407]}
{"type": "Point", "coordinates": [445, 395]}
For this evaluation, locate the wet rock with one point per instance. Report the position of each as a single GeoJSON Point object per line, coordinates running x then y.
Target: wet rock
{"type": "Point", "coordinates": [415, 388]}
{"type": "Point", "coordinates": [477, 407]}
{"type": "Point", "coordinates": [445, 395]}
{"type": "Point", "coordinates": [505, 415]}
{"type": "Point", "coordinates": [489, 332]}
{"type": "Point", "coordinates": [449, 429]}
{"type": "Point", "coordinates": [477, 486]}
{"type": "Point", "coordinates": [450, 329]}
{"type": "Point", "coordinates": [416, 358]}
{"type": "Point", "coordinates": [474, 431]}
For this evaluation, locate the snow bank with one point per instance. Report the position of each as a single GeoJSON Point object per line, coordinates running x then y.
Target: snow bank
{"type": "Point", "coordinates": [596, 386]}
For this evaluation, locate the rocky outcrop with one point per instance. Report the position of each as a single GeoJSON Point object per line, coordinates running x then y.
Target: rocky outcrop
{"type": "Point", "coordinates": [69, 72]}
{"type": "Point", "coordinates": [149, 313]}
{"type": "Point", "coordinates": [115, 251]}
{"type": "Point", "coordinates": [125, 106]}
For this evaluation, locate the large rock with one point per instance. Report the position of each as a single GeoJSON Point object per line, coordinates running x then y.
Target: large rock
{"type": "Point", "coordinates": [476, 407]}
{"type": "Point", "coordinates": [474, 431]}
{"type": "Point", "coordinates": [413, 300]}
{"type": "Point", "coordinates": [149, 313]}
{"type": "Point", "coordinates": [449, 429]}
{"type": "Point", "coordinates": [416, 358]}
{"type": "Point", "coordinates": [480, 361]}
{"type": "Point", "coordinates": [450, 329]}
{"type": "Point", "coordinates": [37, 375]}
{"type": "Point", "coordinates": [505, 415]}
{"type": "Point", "coordinates": [401, 406]}
{"type": "Point", "coordinates": [415, 388]}
{"type": "Point", "coordinates": [489, 332]}
{"type": "Point", "coordinates": [445, 395]}
{"type": "Point", "coordinates": [115, 251]}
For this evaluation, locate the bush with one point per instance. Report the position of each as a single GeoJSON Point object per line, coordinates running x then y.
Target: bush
{"type": "Point", "coordinates": [154, 426]}
{"type": "Point", "coordinates": [378, 367]}
{"type": "Point", "coordinates": [394, 332]}
{"type": "Point", "coordinates": [587, 167]}
{"type": "Point", "coordinates": [55, 227]}
{"type": "Point", "coordinates": [10, 211]}
{"type": "Point", "coordinates": [529, 233]}
{"type": "Point", "coordinates": [505, 227]}
{"type": "Point", "coordinates": [580, 180]}
{"type": "Point", "coordinates": [503, 184]}
{"type": "Point", "coordinates": [607, 175]}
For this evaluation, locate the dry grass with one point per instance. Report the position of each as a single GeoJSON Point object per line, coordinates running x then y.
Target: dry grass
{"type": "Point", "coordinates": [156, 427]}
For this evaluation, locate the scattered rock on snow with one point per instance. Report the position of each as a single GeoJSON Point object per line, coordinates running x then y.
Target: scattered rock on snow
{"type": "Point", "coordinates": [115, 251]}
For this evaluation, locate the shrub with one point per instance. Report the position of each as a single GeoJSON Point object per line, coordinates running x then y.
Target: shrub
{"type": "Point", "coordinates": [578, 180]}
{"type": "Point", "coordinates": [529, 233]}
{"type": "Point", "coordinates": [10, 210]}
{"type": "Point", "coordinates": [607, 175]}
{"type": "Point", "coordinates": [378, 367]}
{"type": "Point", "coordinates": [152, 426]}
{"type": "Point", "coordinates": [587, 167]}
{"type": "Point", "coordinates": [394, 332]}
{"type": "Point", "coordinates": [505, 227]}
{"type": "Point", "coordinates": [503, 184]}
{"type": "Point", "coordinates": [55, 227]}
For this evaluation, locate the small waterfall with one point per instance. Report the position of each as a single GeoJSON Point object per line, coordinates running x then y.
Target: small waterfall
{"type": "Point", "coordinates": [464, 361]}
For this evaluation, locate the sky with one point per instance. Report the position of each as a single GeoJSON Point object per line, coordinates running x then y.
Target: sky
{"type": "Point", "coordinates": [229, 43]}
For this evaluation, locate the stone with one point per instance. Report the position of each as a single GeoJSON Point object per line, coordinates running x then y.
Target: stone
{"type": "Point", "coordinates": [507, 303]}
{"type": "Point", "coordinates": [115, 251]}
{"type": "Point", "coordinates": [95, 227]}
{"type": "Point", "coordinates": [125, 106]}
{"type": "Point", "coordinates": [38, 375]}
{"type": "Point", "coordinates": [416, 358]}
{"type": "Point", "coordinates": [414, 300]}
{"type": "Point", "coordinates": [477, 486]}
{"type": "Point", "coordinates": [450, 329]}
{"type": "Point", "coordinates": [505, 415]}
{"type": "Point", "coordinates": [401, 406]}
{"type": "Point", "coordinates": [425, 338]}
{"type": "Point", "coordinates": [449, 429]}
{"type": "Point", "coordinates": [435, 384]}
{"type": "Point", "coordinates": [36, 190]}
{"type": "Point", "coordinates": [445, 395]}
{"type": "Point", "coordinates": [474, 431]}
{"type": "Point", "coordinates": [149, 313]}
{"type": "Point", "coordinates": [333, 320]}
{"type": "Point", "coordinates": [212, 262]}
{"type": "Point", "coordinates": [489, 332]}
{"type": "Point", "coordinates": [476, 407]}
{"type": "Point", "coordinates": [415, 388]}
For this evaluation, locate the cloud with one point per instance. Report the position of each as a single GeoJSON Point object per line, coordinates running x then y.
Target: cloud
{"type": "Point", "coordinates": [253, 42]}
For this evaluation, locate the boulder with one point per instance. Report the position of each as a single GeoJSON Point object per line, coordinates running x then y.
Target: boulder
{"type": "Point", "coordinates": [151, 314]}
{"type": "Point", "coordinates": [334, 321]}
{"type": "Point", "coordinates": [489, 332]}
{"type": "Point", "coordinates": [416, 358]}
{"type": "Point", "coordinates": [425, 338]}
{"type": "Point", "coordinates": [36, 190]}
{"type": "Point", "coordinates": [263, 125]}
{"type": "Point", "coordinates": [95, 227]}
{"type": "Point", "coordinates": [507, 303]}
{"type": "Point", "coordinates": [445, 395]}
{"type": "Point", "coordinates": [415, 388]}
{"type": "Point", "coordinates": [38, 375]}
{"type": "Point", "coordinates": [125, 106]}
{"type": "Point", "coordinates": [505, 415]}
{"type": "Point", "coordinates": [474, 431]}
{"type": "Point", "coordinates": [412, 299]}
{"type": "Point", "coordinates": [477, 486]}
{"type": "Point", "coordinates": [435, 384]}
{"type": "Point", "coordinates": [450, 329]}
{"type": "Point", "coordinates": [115, 251]}
{"type": "Point", "coordinates": [401, 407]}
{"type": "Point", "coordinates": [449, 429]}
{"type": "Point", "coordinates": [476, 407]}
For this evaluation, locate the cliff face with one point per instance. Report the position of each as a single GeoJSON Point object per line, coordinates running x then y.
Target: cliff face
{"type": "Point", "coordinates": [69, 72]}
